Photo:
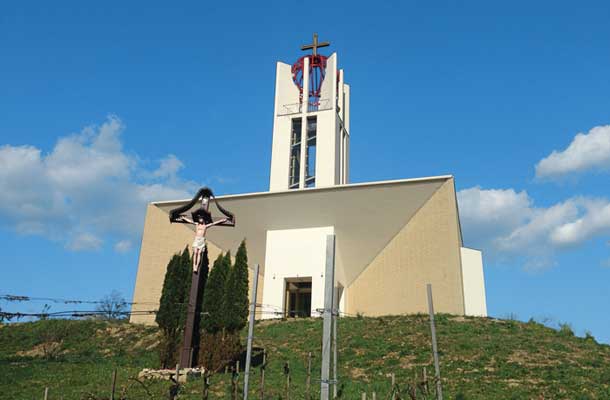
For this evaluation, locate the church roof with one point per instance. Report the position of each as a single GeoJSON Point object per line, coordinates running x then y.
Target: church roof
{"type": "Point", "coordinates": [365, 216]}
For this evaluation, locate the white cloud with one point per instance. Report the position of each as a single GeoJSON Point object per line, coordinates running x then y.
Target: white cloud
{"type": "Point", "coordinates": [84, 241]}
{"type": "Point", "coordinates": [536, 231]}
{"type": "Point", "coordinates": [85, 189]}
{"type": "Point", "coordinates": [505, 223]}
{"type": "Point", "coordinates": [500, 210]}
{"type": "Point", "coordinates": [595, 221]}
{"type": "Point", "coordinates": [122, 246]}
{"type": "Point", "coordinates": [224, 180]}
{"type": "Point", "coordinates": [169, 167]}
{"type": "Point", "coordinates": [588, 151]}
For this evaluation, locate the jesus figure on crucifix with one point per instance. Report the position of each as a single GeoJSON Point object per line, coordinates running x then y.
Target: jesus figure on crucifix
{"type": "Point", "coordinates": [202, 219]}
{"type": "Point", "coordinates": [201, 228]}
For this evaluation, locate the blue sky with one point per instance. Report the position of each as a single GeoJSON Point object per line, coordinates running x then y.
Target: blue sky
{"type": "Point", "coordinates": [106, 106]}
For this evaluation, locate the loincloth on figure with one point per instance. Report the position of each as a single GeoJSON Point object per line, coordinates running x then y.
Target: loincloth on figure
{"type": "Point", "coordinates": [199, 243]}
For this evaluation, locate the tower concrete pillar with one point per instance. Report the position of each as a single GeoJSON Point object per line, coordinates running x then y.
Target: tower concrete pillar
{"type": "Point", "coordinates": [311, 90]}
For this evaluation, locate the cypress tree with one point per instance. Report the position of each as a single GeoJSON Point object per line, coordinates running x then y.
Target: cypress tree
{"type": "Point", "coordinates": [213, 319]}
{"type": "Point", "coordinates": [227, 260]}
{"type": "Point", "coordinates": [226, 294]}
{"type": "Point", "coordinates": [172, 306]}
{"type": "Point", "coordinates": [166, 318]}
{"type": "Point", "coordinates": [236, 303]}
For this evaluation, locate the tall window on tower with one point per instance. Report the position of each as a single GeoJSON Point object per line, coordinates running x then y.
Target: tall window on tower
{"type": "Point", "coordinates": [295, 153]}
{"type": "Point", "coordinates": [310, 154]}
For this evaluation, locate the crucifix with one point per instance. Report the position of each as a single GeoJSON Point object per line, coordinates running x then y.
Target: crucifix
{"type": "Point", "coordinates": [315, 45]}
{"type": "Point", "coordinates": [202, 219]}
{"type": "Point", "coordinates": [201, 228]}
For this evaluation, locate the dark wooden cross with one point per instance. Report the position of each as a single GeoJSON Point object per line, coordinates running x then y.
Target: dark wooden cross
{"type": "Point", "coordinates": [314, 46]}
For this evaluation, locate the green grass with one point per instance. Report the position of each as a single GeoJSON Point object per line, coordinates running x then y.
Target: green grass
{"type": "Point", "coordinates": [480, 359]}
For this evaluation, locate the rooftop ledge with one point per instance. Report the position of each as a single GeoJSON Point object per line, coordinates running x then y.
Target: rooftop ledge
{"type": "Point", "coordinates": [314, 189]}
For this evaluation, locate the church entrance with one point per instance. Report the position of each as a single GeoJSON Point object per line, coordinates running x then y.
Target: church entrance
{"type": "Point", "coordinates": [298, 298]}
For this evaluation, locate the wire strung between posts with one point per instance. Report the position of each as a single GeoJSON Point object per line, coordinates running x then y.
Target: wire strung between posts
{"type": "Point", "coordinates": [70, 314]}
{"type": "Point", "coordinates": [261, 309]}
{"type": "Point", "coordinates": [270, 309]}
{"type": "Point", "coordinates": [96, 313]}
{"type": "Point", "coordinates": [10, 297]}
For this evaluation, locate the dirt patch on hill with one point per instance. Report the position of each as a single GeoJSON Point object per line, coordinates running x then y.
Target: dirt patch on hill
{"type": "Point", "coordinates": [43, 350]}
{"type": "Point", "coordinates": [358, 373]}
{"type": "Point", "coordinates": [531, 360]}
{"type": "Point", "coordinates": [117, 331]}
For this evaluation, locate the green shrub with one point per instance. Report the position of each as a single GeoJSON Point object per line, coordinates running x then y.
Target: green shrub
{"type": "Point", "coordinates": [589, 336]}
{"type": "Point", "coordinates": [53, 333]}
{"type": "Point", "coordinates": [566, 329]}
{"type": "Point", "coordinates": [218, 349]}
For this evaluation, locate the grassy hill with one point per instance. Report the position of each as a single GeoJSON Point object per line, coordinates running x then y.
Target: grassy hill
{"type": "Point", "coordinates": [480, 359]}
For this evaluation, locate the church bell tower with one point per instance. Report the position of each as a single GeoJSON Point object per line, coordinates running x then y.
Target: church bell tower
{"type": "Point", "coordinates": [310, 123]}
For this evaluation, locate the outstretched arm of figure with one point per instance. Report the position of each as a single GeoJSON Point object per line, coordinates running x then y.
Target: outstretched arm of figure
{"type": "Point", "coordinates": [220, 221]}
{"type": "Point", "coordinates": [185, 219]}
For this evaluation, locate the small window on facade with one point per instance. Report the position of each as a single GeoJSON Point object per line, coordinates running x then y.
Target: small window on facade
{"type": "Point", "coordinates": [295, 153]}
{"type": "Point", "coordinates": [310, 154]}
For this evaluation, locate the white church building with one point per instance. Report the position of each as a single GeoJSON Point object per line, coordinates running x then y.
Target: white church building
{"type": "Point", "coordinates": [392, 237]}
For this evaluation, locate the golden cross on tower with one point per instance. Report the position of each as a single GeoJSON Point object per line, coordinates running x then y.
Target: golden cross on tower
{"type": "Point", "coordinates": [314, 46]}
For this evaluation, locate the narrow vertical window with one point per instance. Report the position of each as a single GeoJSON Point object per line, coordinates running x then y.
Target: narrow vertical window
{"type": "Point", "coordinates": [295, 153]}
{"type": "Point", "coordinates": [310, 160]}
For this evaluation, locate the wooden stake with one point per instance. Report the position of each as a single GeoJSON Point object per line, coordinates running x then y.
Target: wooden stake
{"type": "Point", "coordinates": [233, 386]}
{"type": "Point", "coordinates": [287, 373]}
{"type": "Point", "coordinates": [175, 388]}
{"type": "Point", "coordinates": [234, 380]}
{"type": "Point", "coordinates": [46, 393]}
{"type": "Point", "coordinates": [426, 387]}
{"type": "Point", "coordinates": [374, 396]}
{"type": "Point", "coordinates": [113, 384]}
{"type": "Point", "coordinates": [263, 366]}
{"type": "Point", "coordinates": [206, 385]}
{"type": "Point", "coordinates": [393, 386]}
{"type": "Point", "coordinates": [363, 396]}
{"type": "Point", "coordinates": [308, 382]}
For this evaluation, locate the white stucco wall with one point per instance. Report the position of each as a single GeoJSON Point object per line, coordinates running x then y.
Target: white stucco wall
{"type": "Point", "coordinates": [294, 253]}
{"type": "Point", "coordinates": [328, 90]}
{"type": "Point", "coordinates": [286, 93]}
{"type": "Point", "coordinates": [475, 303]}
{"type": "Point", "coordinates": [326, 157]}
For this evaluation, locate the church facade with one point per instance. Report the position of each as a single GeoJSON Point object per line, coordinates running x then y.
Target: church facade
{"type": "Point", "coordinates": [392, 237]}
